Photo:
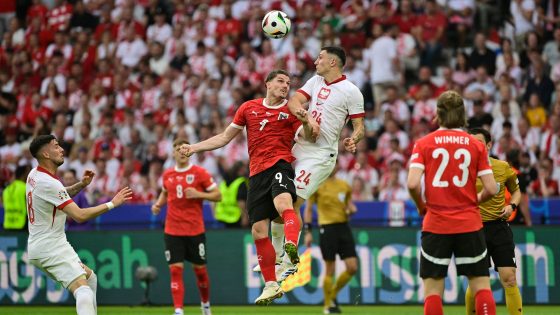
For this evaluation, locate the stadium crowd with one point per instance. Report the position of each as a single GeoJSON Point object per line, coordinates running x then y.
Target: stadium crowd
{"type": "Point", "coordinates": [117, 80]}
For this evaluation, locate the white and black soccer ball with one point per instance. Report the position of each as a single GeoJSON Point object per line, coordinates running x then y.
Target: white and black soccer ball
{"type": "Point", "coordinates": [276, 24]}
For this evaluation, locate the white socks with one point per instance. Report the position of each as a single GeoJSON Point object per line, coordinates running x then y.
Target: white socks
{"type": "Point", "coordinates": [85, 301]}
{"type": "Point", "coordinates": [92, 282]}
{"type": "Point", "coordinates": [277, 233]}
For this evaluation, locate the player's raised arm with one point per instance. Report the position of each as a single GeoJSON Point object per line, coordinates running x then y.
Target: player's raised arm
{"type": "Point", "coordinates": [77, 187]}
{"type": "Point", "coordinates": [296, 106]}
{"type": "Point", "coordinates": [212, 143]}
{"type": "Point", "coordinates": [82, 215]}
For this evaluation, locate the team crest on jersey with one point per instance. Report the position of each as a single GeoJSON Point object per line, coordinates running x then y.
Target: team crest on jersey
{"type": "Point", "coordinates": [283, 115]}
{"type": "Point", "coordinates": [324, 93]}
{"type": "Point", "coordinates": [63, 195]}
{"type": "Point", "coordinates": [190, 179]}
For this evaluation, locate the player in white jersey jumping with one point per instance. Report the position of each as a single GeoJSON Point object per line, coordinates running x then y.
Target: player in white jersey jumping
{"type": "Point", "coordinates": [48, 204]}
{"type": "Point", "coordinates": [331, 99]}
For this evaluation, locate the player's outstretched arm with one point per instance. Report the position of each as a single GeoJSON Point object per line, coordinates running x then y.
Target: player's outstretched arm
{"type": "Point", "coordinates": [77, 187]}
{"type": "Point", "coordinates": [160, 202]}
{"type": "Point", "coordinates": [295, 104]}
{"type": "Point", "coordinates": [212, 143]}
{"type": "Point", "coordinates": [213, 195]}
{"type": "Point", "coordinates": [357, 134]}
{"type": "Point", "coordinates": [414, 183]}
{"type": "Point", "coordinates": [82, 215]}
{"type": "Point", "coordinates": [310, 131]}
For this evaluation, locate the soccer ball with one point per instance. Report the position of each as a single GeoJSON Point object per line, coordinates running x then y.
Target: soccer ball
{"type": "Point", "coordinates": [276, 24]}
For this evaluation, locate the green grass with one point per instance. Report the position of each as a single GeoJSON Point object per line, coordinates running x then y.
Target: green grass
{"type": "Point", "coordinates": [269, 310]}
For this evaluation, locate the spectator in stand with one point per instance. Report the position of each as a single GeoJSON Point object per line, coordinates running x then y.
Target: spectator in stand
{"type": "Point", "coordinates": [544, 185]}
{"type": "Point", "coordinates": [480, 118]}
{"type": "Point", "coordinates": [425, 106]}
{"type": "Point", "coordinates": [394, 189]}
{"type": "Point", "coordinates": [536, 114]}
{"type": "Point", "coordinates": [549, 137]}
{"type": "Point", "coordinates": [506, 47]}
{"type": "Point", "coordinates": [525, 16]}
{"type": "Point", "coordinates": [539, 83]}
{"type": "Point", "coordinates": [463, 74]}
{"type": "Point", "coordinates": [528, 137]}
{"type": "Point", "coordinates": [460, 14]}
{"type": "Point", "coordinates": [363, 170]}
{"type": "Point", "coordinates": [481, 55]}
{"type": "Point", "coordinates": [396, 106]}
{"type": "Point", "coordinates": [160, 31]}
{"type": "Point", "coordinates": [392, 130]}
{"type": "Point", "coordinates": [82, 19]}
{"type": "Point", "coordinates": [551, 52]}
{"type": "Point", "coordinates": [384, 64]}
{"type": "Point", "coordinates": [361, 191]}
{"type": "Point", "coordinates": [429, 33]}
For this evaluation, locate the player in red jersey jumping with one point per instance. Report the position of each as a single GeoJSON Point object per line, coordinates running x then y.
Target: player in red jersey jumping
{"type": "Point", "coordinates": [271, 129]}
{"type": "Point", "coordinates": [185, 186]}
{"type": "Point", "coordinates": [452, 160]}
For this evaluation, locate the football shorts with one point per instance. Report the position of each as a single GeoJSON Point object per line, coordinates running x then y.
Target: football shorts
{"type": "Point", "coordinates": [311, 172]}
{"type": "Point", "coordinates": [335, 239]}
{"type": "Point", "coordinates": [189, 248]}
{"type": "Point", "coordinates": [499, 241]}
{"type": "Point", "coordinates": [64, 266]}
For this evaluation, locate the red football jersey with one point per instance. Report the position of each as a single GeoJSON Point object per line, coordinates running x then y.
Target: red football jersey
{"type": "Point", "coordinates": [270, 132]}
{"type": "Point", "coordinates": [452, 160]}
{"type": "Point", "coordinates": [184, 216]}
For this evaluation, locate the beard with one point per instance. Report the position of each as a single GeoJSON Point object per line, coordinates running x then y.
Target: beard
{"type": "Point", "coordinates": [59, 162]}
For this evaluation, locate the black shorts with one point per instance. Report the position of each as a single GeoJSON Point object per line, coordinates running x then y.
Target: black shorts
{"type": "Point", "coordinates": [189, 248]}
{"type": "Point", "coordinates": [265, 186]}
{"type": "Point", "coordinates": [499, 241]}
{"type": "Point", "coordinates": [469, 249]}
{"type": "Point", "coordinates": [336, 239]}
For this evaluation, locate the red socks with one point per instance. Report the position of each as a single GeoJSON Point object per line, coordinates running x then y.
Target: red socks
{"type": "Point", "coordinates": [202, 283]}
{"type": "Point", "coordinates": [177, 287]}
{"type": "Point", "coordinates": [433, 305]}
{"type": "Point", "coordinates": [291, 226]}
{"type": "Point", "coordinates": [484, 302]}
{"type": "Point", "coordinates": [267, 258]}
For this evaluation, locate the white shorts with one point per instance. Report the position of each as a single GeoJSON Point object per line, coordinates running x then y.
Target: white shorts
{"type": "Point", "coordinates": [64, 267]}
{"type": "Point", "coordinates": [311, 172]}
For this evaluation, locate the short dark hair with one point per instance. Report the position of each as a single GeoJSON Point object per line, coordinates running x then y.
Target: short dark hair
{"type": "Point", "coordinates": [337, 51]}
{"type": "Point", "coordinates": [483, 132]}
{"type": "Point", "coordinates": [22, 171]}
{"type": "Point", "coordinates": [274, 73]}
{"type": "Point", "coordinates": [39, 142]}
{"type": "Point", "coordinates": [179, 141]}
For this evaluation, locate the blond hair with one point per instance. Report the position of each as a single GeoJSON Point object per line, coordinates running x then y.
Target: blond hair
{"type": "Point", "coordinates": [451, 110]}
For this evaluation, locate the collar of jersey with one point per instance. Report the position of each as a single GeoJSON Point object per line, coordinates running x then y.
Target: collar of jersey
{"type": "Point", "coordinates": [44, 170]}
{"type": "Point", "coordinates": [274, 107]}
{"type": "Point", "coordinates": [184, 169]}
{"type": "Point", "coordinates": [342, 78]}
{"type": "Point", "coordinates": [455, 129]}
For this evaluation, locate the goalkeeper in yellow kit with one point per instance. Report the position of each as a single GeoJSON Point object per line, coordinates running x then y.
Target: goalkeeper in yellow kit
{"type": "Point", "coordinates": [499, 237]}
{"type": "Point", "coordinates": [334, 208]}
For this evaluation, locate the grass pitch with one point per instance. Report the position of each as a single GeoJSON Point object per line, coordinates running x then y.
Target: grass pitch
{"type": "Point", "coordinates": [269, 310]}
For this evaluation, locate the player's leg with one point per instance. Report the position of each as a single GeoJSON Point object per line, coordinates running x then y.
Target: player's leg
{"type": "Point", "coordinates": [175, 249]}
{"type": "Point", "coordinates": [435, 256]}
{"type": "Point", "coordinates": [66, 268]}
{"type": "Point", "coordinates": [277, 232]}
{"type": "Point", "coordinates": [91, 278]}
{"type": "Point", "coordinates": [196, 254]}
{"type": "Point", "coordinates": [266, 255]}
{"type": "Point", "coordinates": [328, 284]}
{"type": "Point", "coordinates": [472, 261]}
{"type": "Point", "coordinates": [503, 255]}
{"type": "Point", "coordinates": [85, 298]}
{"type": "Point", "coordinates": [284, 194]}
{"type": "Point", "coordinates": [433, 291]}
{"type": "Point", "coordinates": [347, 251]}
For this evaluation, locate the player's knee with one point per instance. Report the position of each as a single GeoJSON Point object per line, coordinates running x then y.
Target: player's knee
{"type": "Point", "coordinates": [352, 269]}
{"type": "Point", "coordinates": [259, 231]}
{"type": "Point", "coordinates": [509, 280]}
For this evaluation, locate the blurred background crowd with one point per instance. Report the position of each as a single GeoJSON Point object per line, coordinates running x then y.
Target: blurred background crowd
{"type": "Point", "coordinates": [117, 80]}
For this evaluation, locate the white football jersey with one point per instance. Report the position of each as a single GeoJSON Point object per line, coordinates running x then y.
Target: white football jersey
{"type": "Point", "coordinates": [330, 104]}
{"type": "Point", "coordinates": [46, 196]}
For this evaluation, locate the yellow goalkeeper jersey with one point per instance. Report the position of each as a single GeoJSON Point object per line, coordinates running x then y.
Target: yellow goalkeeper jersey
{"type": "Point", "coordinates": [331, 198]}
{"type": "Point", "coordinates": [504, 174]}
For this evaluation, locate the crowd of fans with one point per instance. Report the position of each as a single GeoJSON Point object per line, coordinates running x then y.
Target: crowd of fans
{"type": "Point", "coordinates": [117, 80]}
